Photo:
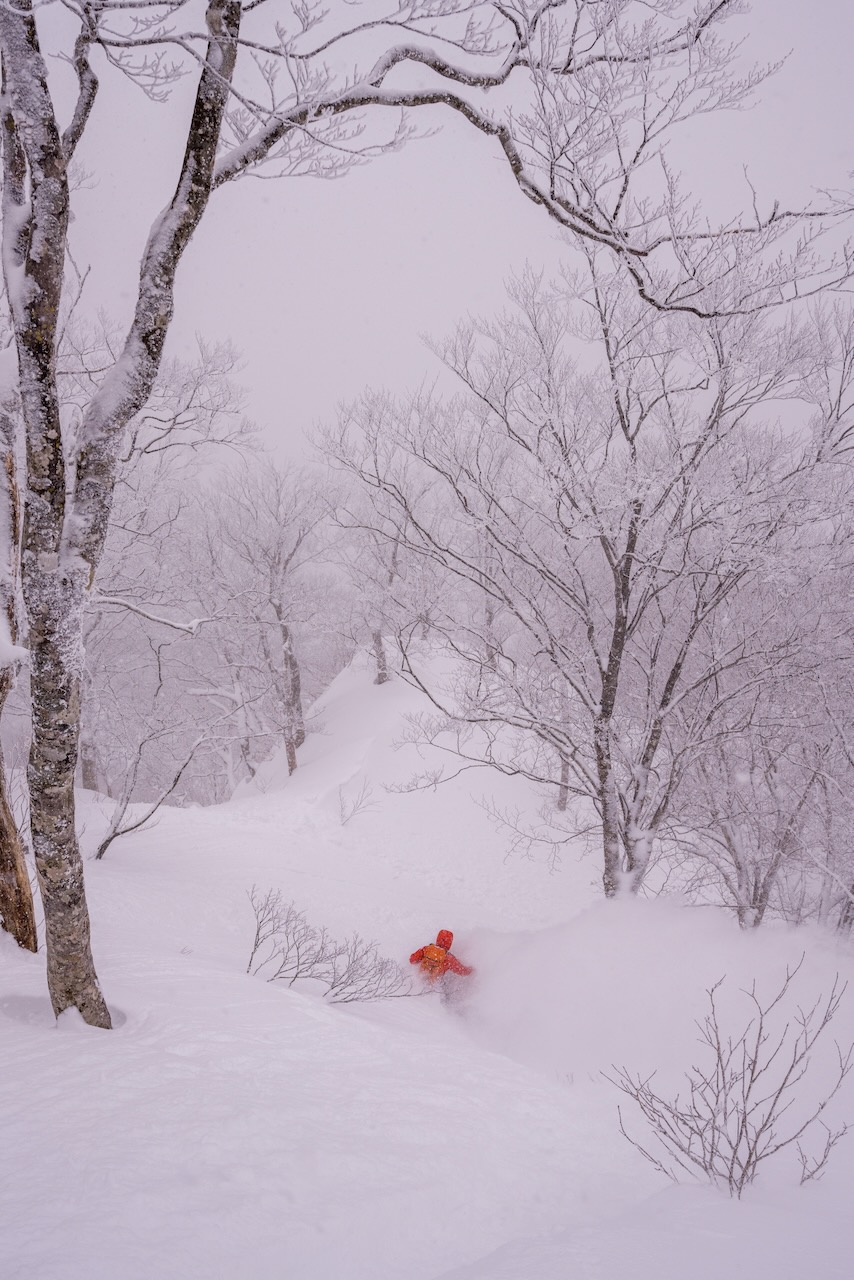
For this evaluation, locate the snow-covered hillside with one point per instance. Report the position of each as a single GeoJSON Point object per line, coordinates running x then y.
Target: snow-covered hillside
{"type": "Point", "coordinates": [229, 1129]}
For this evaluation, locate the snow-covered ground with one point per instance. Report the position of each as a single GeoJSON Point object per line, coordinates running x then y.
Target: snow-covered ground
{"type": "Point", "coordinates": [229, 1129]}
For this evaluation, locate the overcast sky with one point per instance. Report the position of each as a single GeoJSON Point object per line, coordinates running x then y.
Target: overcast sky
{"type": "Point", "coordinates": [326, 286]}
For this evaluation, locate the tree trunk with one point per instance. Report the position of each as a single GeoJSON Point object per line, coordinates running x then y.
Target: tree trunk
{"type": "Point", "coordinates": [293, 687]}
{"type": "Point", "coordinates": [89, 779]}
{"type": "Point", "coordinates": [54, 616]}
{"type": "Point", "coordinates": [609, 805]}
{"type": "Point", "coordinates": [638, 844]}
{"type": "Point", "coordinates": [846, 915]}
{"type": "Point", "coordinates": [612, 874]}
{"type": "Point", "coordinates": [90, 774]}
{"type": "Point", "coordinates": [35, 224]}
{"type": "Point", "coordinates": [490, 659]}
{"type": "Point", "coordinates": [563, 787]}
{"type": "Point", "coordinates": [291, 691]}
{"type": "Point", "coordinates": [381, 660]}
{"type": "Point", "coordinates": [17, 915]}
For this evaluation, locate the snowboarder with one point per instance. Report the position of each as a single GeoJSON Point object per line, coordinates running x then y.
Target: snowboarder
{"type": "Point", "coordinates": [439, 967]}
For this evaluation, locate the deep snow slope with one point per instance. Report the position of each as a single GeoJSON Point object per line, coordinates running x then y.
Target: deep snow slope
{"type": "Point", "coordinates": [228, 1129]}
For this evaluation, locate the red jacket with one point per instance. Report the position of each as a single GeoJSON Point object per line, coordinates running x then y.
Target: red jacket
{"type": "Point", "coordinates": [436, 960]}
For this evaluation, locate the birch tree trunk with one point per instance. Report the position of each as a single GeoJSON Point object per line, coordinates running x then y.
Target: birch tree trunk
{"type": "Point", "coordinates": [35, 218]}
{"type": "Point", "coordinates": [61, 549]}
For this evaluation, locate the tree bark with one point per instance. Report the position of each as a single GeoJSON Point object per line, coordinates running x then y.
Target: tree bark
{"type": "Point", "coordinates": [55, 616]}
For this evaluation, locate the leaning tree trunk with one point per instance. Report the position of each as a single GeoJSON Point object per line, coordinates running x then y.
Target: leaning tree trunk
{"type": "Point", "coordinates": [17, 915]}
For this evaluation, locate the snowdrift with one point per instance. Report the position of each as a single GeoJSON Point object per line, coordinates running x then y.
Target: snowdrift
{"type": "Point", "coordinates": [229, 1128]}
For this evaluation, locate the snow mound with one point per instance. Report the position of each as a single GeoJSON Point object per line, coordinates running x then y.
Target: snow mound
{"type": "Point", "coordinates": [625, 982]}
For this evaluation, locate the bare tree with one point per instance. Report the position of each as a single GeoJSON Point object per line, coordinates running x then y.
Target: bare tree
{"type": "Point", "coordinates": [215, 608]}
{"type": "Point", "coordinates": [766, 822]}
{"type": "Point", "coordinates": [286, 948]}
{"type": "Point", "coordinates": [359, 972]}
{"type": "Point", "coordinates": [829, 388]}
{"type": "Point", "coordinates": [122, 822]}
{"type": "Point", "coordinates": [615, 80]}
{"type": "Point", "coordinates": [390, 589]}
{"type": "Point", "coordinates": [262, 549]}
{"type": "Point", "coordinates": [766, 819]}
{"type": "Point", "coordinates": [615, 463]}
{"type": "Point", "coordinates": [758, 796]}
{"type": "Point", "coordinates": [730, 1121]}
{"type": "Point", "coordinates": [358, 801]}
{"type": "Point", "coordinates": [141, 598]}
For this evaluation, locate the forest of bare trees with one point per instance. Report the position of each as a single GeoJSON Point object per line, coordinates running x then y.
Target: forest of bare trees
{"type": "Point", "coordinates": [627, 534]}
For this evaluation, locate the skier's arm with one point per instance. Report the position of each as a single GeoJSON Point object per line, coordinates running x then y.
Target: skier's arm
{"type": "Point", "coordinates": [417, 956]}
{"type": "Point", "coordinates": [456, 967]}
